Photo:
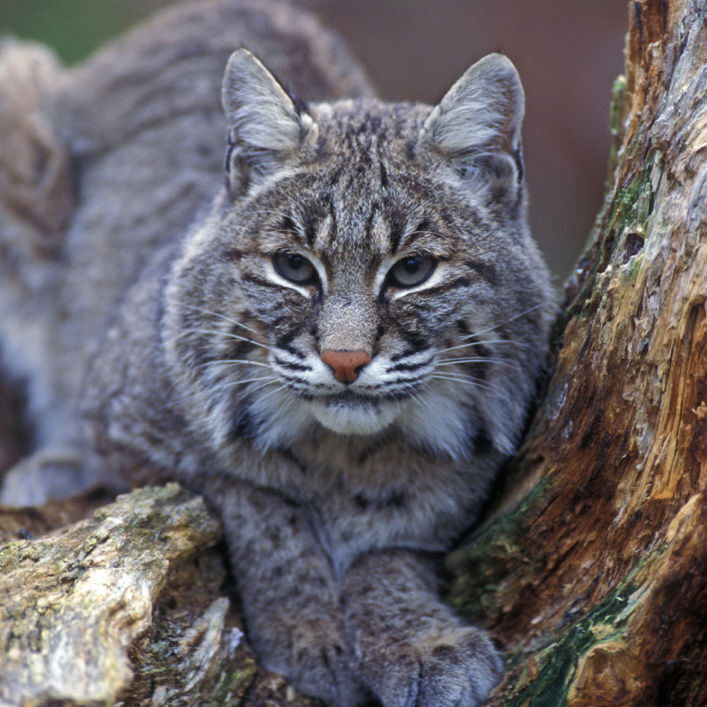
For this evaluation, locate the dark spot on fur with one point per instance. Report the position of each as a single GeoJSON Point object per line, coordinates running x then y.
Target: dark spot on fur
{"type": "Point", "coordinates": [403, 354]}
{"type": "Point", "coordinates": [290, 456]}
{"type": "Point", "coordinates": [283, 341]}
{"type": "Point", "coordinates": [463, 327]}
{"type": "Point", "coordinates": [425, 226]}
{"type": "Point", "coordinates": [232, 254]}
{"type": "Point", "coordinates": [397, 223]}
{"type": "Point", "coordinates": [482, 441]}
{"type": "Point", "coordinates": [405, 367]}
{"type": "Point", "coordinates": [518, 159]}
{"type": "Point", "coordinates": [288, 225]}
{"type": "Point", "coordinates": [334, 219]}
{"type": "Point", "coordinates": [383, 176]}
{"type": "Point", "coordinates": [410, 150]}
{"type": "Point", "coordinates": [240, 348]}
{"type": "Point", "coordinates": [379, 332]}
{"type": "Point", "coordinates": [361, 501]}
{"type": "Point", "coordinates": [481, 350]}
{"type": "Point", "coordinates": [244, 426]}
{"type": "Point", "coordinates": [395, 499]}
{"type": "Point", "coordinates": [415, 340]}
{"type": "Point", "coordinates": [310, 232]}
{"type": "Point", "coordinates": [292, 366]}
{"type": "Point", "coordinates": [486, 270]}
{"type": "Point", "coordinates": [445, 653]}
{"type": "Point", "coordinates": [292, 350]}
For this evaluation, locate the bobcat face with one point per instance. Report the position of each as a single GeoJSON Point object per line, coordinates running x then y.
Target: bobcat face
{"type": "Point", "coordinates": [358, 288]}
{"type": "Point", "coordinates": [360, 280]}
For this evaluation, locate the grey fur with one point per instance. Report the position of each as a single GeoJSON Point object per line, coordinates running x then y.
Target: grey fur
{"type": "Point", "coordinates": [193, 352]}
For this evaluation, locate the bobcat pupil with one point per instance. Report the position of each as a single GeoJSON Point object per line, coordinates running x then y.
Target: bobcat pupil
{"type": "Point", "coordinates": [411, 265]}
{"type": "Point", "coordinates": [295, 261]}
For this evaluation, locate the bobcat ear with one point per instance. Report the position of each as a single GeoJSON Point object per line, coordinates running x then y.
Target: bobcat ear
{"type": "Point", "coordinates": [476, 128]}
{"type": "Point", "coordinates": [266, 126]}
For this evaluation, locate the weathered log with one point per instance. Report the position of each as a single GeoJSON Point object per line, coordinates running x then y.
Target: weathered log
{"type": "Point", "coordinates": [591, 571]}
{"type": "Point", "coordinates": [128, 606]}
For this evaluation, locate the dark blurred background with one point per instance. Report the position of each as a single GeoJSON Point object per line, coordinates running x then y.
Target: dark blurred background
{"type": "Point", "coordinates": [568, 55]}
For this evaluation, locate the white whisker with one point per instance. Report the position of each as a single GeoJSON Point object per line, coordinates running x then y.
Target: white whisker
{"type": "Point", "coordinates": [255, 388]}
{"type": "Point", "coordinates": [242, 361]}
{"type": "Point", "coordinates": [469, 380]}
{"type": "Point", "coordinates": [220, 316]}
{"type": "Point", "coordinates": [506, 321]}
{"type": "Point", "coordinates": [224, 386]}
{"type": "Point", "coordinates": [227, 335]}
{"type": "Point", "coordinates": [467, 345]}
{"type": "Point", "coordinates": [477, 359]}
{"type": "Point", "coordinates": [280, 388]}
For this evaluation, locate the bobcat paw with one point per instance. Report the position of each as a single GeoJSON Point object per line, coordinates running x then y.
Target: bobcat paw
{"type": "Point", "coordinates": [53, 473]}
{"type": "Point", "coordinates": [325, 673]}
{"type": "Point", "coordinates": [314, 661]}
{"type": "Point", "coordinates": [458, 667]}
{"type": "Point", "coordinates": [45, 475]}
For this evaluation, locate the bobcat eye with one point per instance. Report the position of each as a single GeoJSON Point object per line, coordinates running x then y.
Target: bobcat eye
{"type": "Point", "coordinates": [295, 268]}
{"type": "Point", "coordinates": [411, 271]}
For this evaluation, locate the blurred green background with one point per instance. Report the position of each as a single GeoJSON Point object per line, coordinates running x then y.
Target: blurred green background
{"type": "Point", "coordinates": [568, 54]}
{"type": "Point", "coordinates": [73, 28]}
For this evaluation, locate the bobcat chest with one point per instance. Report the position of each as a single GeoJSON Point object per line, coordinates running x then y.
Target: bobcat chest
{"type": "Point", "coordinates": [403, 501]}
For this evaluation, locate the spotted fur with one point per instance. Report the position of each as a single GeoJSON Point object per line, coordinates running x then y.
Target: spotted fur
{"type": "Point", "coordinates": [394, 231]}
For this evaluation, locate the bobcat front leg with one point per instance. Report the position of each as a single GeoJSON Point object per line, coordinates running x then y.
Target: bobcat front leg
{"type": "Point", "coordinates": [409, 647]}
{"type": "Point", "coordinates": [289, 594]}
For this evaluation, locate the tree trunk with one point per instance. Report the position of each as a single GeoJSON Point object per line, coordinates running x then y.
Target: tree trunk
{"type": "Point", "coordinates": [590, 570]}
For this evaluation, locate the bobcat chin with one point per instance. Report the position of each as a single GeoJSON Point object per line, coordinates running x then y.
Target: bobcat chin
{"type": "Point", "coordinates": [339, 351]}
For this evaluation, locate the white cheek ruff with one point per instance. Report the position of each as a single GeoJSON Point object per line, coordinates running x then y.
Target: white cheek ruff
{"type": "Point", "coordinates": [281, 419]}
{"type": "Point", "coordinates": [439, 422]}
{"type": "Point", "coordinates": [434, 417]}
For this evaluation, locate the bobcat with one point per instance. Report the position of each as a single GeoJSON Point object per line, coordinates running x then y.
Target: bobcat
{"type": "Point", "coordinates": [339, 352]}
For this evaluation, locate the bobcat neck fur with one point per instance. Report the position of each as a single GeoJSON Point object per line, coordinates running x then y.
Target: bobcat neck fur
{"type": "Point", "coordinates": [339, 352]}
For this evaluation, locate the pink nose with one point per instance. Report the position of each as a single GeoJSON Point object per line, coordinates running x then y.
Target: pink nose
{"type": "Point", "coordinates": [345, 364]}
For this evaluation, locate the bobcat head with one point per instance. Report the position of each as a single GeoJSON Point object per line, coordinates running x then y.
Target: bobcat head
{"type": "Point", "coordinates": [367, 270]}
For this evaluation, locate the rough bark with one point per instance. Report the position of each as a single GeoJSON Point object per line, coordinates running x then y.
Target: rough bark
{"type": "Point", "coordinates": [591, 568]}
{"type": "Point", "coordinates": [129, 606]}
